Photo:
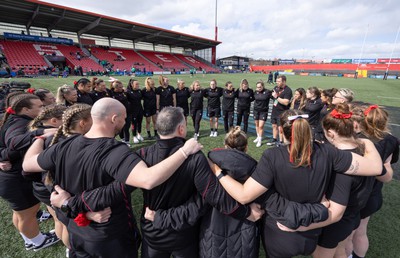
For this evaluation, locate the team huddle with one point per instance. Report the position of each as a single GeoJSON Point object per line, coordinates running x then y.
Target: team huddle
{"type": "Point", "coordinates": [311, 194]}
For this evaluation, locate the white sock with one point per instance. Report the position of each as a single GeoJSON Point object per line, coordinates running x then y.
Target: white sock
{"type": "Point", "coordinates": [38, 240]}
{"type": "Point", "coordinates": [27, 240]}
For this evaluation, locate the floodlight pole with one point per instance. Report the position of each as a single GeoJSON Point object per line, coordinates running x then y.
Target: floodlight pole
{"type": "Point", "coordinates": [214, 49]}
{"type": "Point", "coordinates": [362, 48]}
{"type": "Point", "coordinates": [394, 46]}
{"type": "Point", "coordinates": [216, 20]}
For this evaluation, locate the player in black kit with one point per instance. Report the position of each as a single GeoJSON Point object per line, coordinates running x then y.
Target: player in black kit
{"type": "Point", "coordinates": [229, 95]}
{"type": "Point", "coordinates": [182, 97]}
{"type": "Point", "coordinates": [260, 113]}
{"type": "Point", "coordinates": [196, 106]}
{"type": "Point", "coordinates": [213, 95]}
{"type": "Point", "coordinates": [149, 105]}
{"type": "Point", "coordinates": [135, 99]}
{"type": "Point", "coordinates": [245, 96]}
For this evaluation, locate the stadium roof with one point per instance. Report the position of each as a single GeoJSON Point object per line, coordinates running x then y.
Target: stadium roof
{"type": "Point", "coordinates": [56, 17]}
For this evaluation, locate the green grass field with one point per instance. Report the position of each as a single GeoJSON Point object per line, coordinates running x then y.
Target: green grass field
{"type": "Point", "coordinates": [384, 226]}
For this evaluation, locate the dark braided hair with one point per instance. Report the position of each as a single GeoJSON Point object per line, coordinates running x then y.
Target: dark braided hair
{"type": "Point", "coordinates": [48, 112]}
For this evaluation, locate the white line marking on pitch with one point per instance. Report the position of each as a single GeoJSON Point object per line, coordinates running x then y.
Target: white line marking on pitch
{"type": "Point", "coordinates": [395, 124]}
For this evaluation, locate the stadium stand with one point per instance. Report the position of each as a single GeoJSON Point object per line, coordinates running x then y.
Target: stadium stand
{"type": "Point", "coordinates": [191, 61]}
{"type": "Point", "coordinates": [123, 58]}
{"type": "Point", "coordinates": [74, 30]}
{"type": "Point", "coordinates": [165, 61]}
{"type": "Point", "coordinates": [22, 55]}
{"type": "Point", "coordinates": [84, 61]}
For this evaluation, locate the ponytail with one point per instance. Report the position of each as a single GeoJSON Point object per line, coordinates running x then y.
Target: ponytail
{"type": "Point", "coordinates": [376, 122]}
{"type": "Point", "coordinates": [297, 130]}
{"type": "Point", "coordinates": [16, 104]}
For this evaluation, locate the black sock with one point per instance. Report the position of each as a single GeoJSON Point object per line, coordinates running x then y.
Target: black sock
{"type": "Point", "coordinates": [155, 132]}
{"type": "Point", "coordinates": [355, 255]}
{"type": "Point", "coordinates": [148, 133]}
{"type": "Point", "coordinates": [212, 129]}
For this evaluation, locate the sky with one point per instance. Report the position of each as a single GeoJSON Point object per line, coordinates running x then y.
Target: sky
{"type": "Point", "coordinates": [307, 29]}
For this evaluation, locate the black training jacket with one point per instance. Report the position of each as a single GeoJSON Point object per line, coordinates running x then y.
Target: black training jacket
{"type": "Point", "coordinates": [193, 176]}
{"type": "Point", "coordinates": [15, 139]}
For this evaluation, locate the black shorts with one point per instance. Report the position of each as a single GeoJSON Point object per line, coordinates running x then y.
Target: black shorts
{"type": "Point", "coordinates": [124, 246]}
{"type": "Point", "coordinates": [213, 112]}
{"type": "Point", "coordinates": [279, 243]}
{"type": "Point", "coordinates": [335, 233]}
{"type": "Point", "coordinates": [260, 115]}
{"type": "Point", "coordinates": [276, 121]}
{"type": "Point", "coordinates": [189, 251]}
{"type": "Point", "coordinates": [149, 113]}
{"type": "Point", "coordinates": [18, 192]}
{"type": "Point", "coordinates": [41, 193]}
{"type": "Point", "coordinates": [373, 205]}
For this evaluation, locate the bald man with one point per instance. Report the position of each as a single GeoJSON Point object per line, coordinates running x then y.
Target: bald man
{"type": "Point", "coordinates": [96, 159]}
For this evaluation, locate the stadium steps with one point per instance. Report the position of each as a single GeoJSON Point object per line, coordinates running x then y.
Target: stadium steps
{"type": "Point", "coordinates": [166, 60]}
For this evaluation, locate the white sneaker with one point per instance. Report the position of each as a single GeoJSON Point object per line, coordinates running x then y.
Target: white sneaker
{"type": "Point", "coordinates": [139, 137]}
{"type": "Point", "coordinates": [256, 140]}
{"type": "Point", "coordinates": [195, 136]}
{"type": "Point", "coordinates": [212, 134]}
{"type": "Point", "coordinates": [135, 140]}
{"type": "Point", "coordinates": [259, 143]}
{"type": "Point", "coordinates": [215, 134]}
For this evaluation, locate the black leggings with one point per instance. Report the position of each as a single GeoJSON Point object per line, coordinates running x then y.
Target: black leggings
{"type": "Point", "coordinates": [228, 120]}
{"type": "Point", "coordinates": [196, 116]}
{"type": "Point", "coordinates": [125, 133]}
{"type": "Point", "coordinates": [245, 113]}
{"type": "Point", "coordinates": [137, 123]}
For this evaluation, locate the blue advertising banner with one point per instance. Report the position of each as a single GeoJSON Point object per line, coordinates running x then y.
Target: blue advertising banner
{"type": "Point", "coordinates": [364, 61]}
{"type": "Point", "coordinates": [38, 38]}
{"type": "Point", "coordinates": [286, 61]}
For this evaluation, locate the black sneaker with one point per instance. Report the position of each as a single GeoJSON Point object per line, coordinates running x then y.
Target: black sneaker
{"type": "Point", "coordinates": [50, 240]}
{"type": "Point", "coordinates": [43, 215]}
{"type": "Point", "coordinates": [29, 246]}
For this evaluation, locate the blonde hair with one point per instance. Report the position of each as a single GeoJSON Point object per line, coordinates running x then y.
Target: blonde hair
{"type": "Point", "coordinates": [147, 83]}
{"type": "Point", "coordinates": [161, 80]}
{"type": "Point", "coordinates": [192, 85]}
{"type": "Point", "coordinates": [243, 81]}
{"type": "Point", "coordinates": [347, 94]}
{"type": "Point", "coordinates": [236, 139]}
{"type": "Point", "coordinates": [62, 91]}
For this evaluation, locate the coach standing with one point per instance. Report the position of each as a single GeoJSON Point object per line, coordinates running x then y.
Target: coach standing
{"type": "Point", "coordinates": [282, 95]}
